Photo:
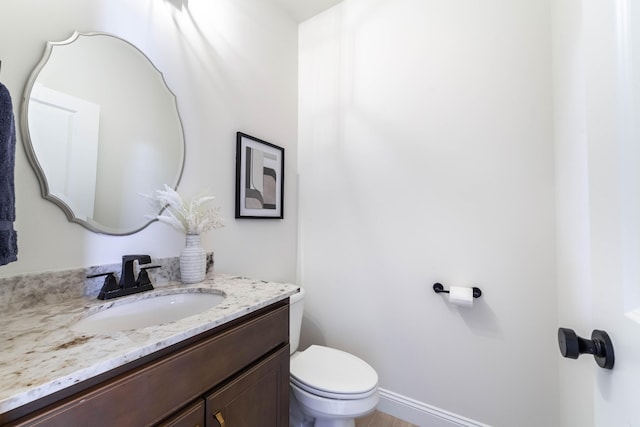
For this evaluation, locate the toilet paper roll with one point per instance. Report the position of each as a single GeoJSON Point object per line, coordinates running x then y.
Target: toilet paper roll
{"type": "Point", "coordinates": [461, 296]}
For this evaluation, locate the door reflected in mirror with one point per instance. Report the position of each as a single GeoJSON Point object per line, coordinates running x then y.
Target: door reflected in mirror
{"type": "Point", "coordinates": [100, 127]}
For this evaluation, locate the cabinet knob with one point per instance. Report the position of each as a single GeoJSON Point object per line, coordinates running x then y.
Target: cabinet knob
{"type": "Point", "coordinates": [220, 419]}
{"type": "Point", "coordinates": [600, 345]}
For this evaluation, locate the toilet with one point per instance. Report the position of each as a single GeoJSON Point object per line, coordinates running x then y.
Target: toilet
{"type": "Point", "coordinates": [329, 387]}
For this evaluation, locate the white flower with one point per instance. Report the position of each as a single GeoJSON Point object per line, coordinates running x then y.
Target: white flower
{"type": "Point", "coordinates": [188, 216]}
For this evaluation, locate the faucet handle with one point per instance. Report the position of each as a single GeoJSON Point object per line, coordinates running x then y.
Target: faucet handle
{"type": "Point", "coordinates": [110, 284]}
{"type": "Point", "coordinates": [143, 277]}
{"type": "Point", "coordinates": [109, 280]}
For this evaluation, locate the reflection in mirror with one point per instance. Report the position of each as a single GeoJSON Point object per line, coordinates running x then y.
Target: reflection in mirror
{"type": "Point", "coordinates": [100, 127]}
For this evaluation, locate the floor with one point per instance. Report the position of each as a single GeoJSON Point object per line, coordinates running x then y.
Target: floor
{"type": "Point", "coordinates": [380, 419]}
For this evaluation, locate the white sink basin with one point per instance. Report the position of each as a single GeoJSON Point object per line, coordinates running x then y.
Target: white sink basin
{"type": "Point", "coordinates": [153, 310]}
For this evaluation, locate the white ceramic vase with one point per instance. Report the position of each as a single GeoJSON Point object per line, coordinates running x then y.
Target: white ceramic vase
{"type": "Point", "coordinates": [193, 260]}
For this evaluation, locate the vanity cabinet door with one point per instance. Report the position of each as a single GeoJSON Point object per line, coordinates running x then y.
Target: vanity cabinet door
{"type": "Point", "coordinates": [257, 397]}
{"type": "Point", "coordinates": [192, 416]}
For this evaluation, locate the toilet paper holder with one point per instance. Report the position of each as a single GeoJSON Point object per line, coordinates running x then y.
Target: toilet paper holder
{"type": "Point", "coordinates": [438, 288]}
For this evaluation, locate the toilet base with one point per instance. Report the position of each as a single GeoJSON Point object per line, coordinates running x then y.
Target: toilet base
{"type": "Point", "coordinates": [297, 418]}
{"type": "Point", "coordinates": [301, 418]}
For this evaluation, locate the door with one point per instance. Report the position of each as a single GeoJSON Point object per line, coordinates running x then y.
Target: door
{"type": "Point", "coordinates": [608, 47]}
{"type": "Point", "coordinates": [65, 141]}
{"type": "Point", "coordinates": [614, 190]}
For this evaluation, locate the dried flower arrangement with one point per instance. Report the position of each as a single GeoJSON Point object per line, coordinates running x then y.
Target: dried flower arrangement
{"type": "Point", "coordinates": [189, 216]}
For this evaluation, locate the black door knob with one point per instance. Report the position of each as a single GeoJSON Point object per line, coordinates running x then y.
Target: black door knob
{"type": "Point", "coordinates": [600, 345]}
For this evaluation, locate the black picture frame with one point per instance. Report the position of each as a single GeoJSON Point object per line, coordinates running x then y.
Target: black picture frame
{"type": "Point", "coordinates": [259, 178]}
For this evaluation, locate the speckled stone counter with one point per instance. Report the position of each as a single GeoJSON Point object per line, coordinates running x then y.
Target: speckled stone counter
{"type": "Point", "coordinates": [41, 354]}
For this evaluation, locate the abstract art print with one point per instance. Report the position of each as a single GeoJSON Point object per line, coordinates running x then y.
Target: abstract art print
{"type": "Point", "coordinates": [259, 178]}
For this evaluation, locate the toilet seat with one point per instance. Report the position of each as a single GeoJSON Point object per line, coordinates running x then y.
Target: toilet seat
{"type": "Point", "coordinates": [332, 373]}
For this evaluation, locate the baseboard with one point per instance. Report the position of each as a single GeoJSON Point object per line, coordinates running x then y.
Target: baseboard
{"type": "Point", "coordinates": [421, 414]}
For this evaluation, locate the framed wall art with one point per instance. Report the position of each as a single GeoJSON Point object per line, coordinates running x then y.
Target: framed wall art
{"type": "Point", "coordinates": [259, 178]}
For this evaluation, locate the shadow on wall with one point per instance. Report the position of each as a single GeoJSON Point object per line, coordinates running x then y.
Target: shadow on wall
{"type": "Point", "coordinates": [179, 4]}
{"type": "Point", "coordinates": [310, 334]}
{"type": "Point", "coordinates": [481, 318]}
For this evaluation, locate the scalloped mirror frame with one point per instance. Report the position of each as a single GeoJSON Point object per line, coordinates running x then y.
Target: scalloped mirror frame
{"type": "Point", "coordinates": [130, 147]}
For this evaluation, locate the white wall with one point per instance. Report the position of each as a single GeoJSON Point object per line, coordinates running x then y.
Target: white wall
{"type": "Point", "coordinates": [426, 154]}
{"type": "Point", "coordinates": [232, 65]}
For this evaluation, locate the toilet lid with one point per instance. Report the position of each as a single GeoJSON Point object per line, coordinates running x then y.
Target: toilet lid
{"type": "Point", "coordinates": [332, 371]}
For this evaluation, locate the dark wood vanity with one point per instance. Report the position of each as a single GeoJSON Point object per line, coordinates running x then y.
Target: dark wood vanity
{"type": "Point", "coordinates": [236, 375]}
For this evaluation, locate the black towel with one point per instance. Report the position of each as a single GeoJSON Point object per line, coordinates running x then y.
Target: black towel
{"type": "Point", "coordinates": [8, 237]}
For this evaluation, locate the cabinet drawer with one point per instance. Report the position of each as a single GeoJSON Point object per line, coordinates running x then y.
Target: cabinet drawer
{"type": "Point", "coordinates": [193, 416]}
{"type": "Point", "coordinates": [151, 393]}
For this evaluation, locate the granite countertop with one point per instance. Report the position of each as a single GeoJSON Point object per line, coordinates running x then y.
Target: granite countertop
{"type": "Point", "coordinates": [41, 354]}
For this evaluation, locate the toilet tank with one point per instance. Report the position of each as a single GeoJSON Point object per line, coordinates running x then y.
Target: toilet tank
{"type": "Point", "coordinates": [296, 308]}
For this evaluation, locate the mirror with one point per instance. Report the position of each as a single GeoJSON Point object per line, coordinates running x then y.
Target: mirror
{"type": "Point", "coordinates": [100, 127]}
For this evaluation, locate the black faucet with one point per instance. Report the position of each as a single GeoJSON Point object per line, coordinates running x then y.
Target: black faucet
{"type": "Point", "coordinates": [127, 278]}
{"type": "Point", "coordinates": [128, 283]}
